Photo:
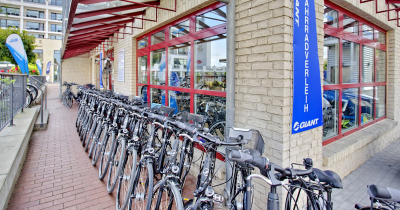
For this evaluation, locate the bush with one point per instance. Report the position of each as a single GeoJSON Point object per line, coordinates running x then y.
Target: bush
{"type": "Point", "coordinates": [33, 70]}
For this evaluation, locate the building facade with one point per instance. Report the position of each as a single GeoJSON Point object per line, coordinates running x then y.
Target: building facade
{"type": "Point", "coordinates": [179, 59]}
{"type": "Point", "coordinates": [41, 18]}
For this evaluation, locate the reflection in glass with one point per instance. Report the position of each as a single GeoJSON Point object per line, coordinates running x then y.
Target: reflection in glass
{"type": "Point", "coordinates": [350, 25]}
{"type": "Point", "coordinates": [213, 107]}
{"type": "Point", "coordinates": [380, 101]}
{"type": "Point", "coordinates": [142, 65]}
{"type": "Point", "coordinates": [330, 17]}
{"type": "Point", "coordinates": [330, 113]}
{"type": "Point", "coordinates": [142, 43]}
{"type": "Point", "coordinates": [331, 60]}
{"type": "Point", "coordinates": [349, 109]}
{"type": "Point", "coordinates": [381, 66]}
{"type": "Point", "coordinates": [210, 19]}
{"type": "Point", "coordinates": [142, 92]}
{"type": "Point", "coordinates": [179, 65]}
{"type": "Point", "coordinates": [179, 29]}
{"type": "Point", "coordinates": [157, 96]}
{"type": "Point", "coordinates": [368, 32]}
{"type": "Point", "coordinates": [210, 57]}
{"type": "Point", "coordinates": [381, 37]}
{"type": "Point", "coordinates": [367, 104]}
{"type": "Point", "coordinates": [179, 100]}
{"type": "Point", "coordinates": [350, 62]}
{"type": "Point", "coordinates": [157, 67]}
{"type": "Point", "coordinates": [368, 64]}
{"type": "Point", "coordinates": [158, 37]}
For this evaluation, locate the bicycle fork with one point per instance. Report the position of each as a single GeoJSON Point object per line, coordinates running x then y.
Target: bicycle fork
{"type": "Point", "coordinates": [273, 198]}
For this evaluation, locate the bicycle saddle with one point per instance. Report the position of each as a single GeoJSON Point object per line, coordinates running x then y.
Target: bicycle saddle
{"type": "Point", "coordinates": [384, 193]}
{"type": "Point", "coordinates": [329, 177]}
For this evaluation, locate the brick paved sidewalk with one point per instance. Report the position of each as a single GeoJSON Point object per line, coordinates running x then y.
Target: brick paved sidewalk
{"type": "Point", "coordinates": [57, 174]}
{"type": "Point", "coordinates": [382, 169]}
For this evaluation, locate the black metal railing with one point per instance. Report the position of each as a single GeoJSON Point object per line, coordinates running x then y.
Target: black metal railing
{"type": "Point", "coordinates": [12, 97]}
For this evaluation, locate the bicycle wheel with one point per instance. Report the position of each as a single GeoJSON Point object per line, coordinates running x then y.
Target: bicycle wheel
{"type": "Point", "coordinates": [115, 164]}
{"type": "Point", "coordinates": [186, 159]}
{"type": "Point", "coordinates": [28, 99]}
{"type": "Point", "coordinates": [126, 183]}
{"type": "Point", "coordinates": [299, 198]}
{"type": "Point", "coordinates": [143, 185]}
{"type": "Point", "coordinates": [91, 134]}
{"type": "Point", "coordinates": [106, 155]}
{"type": "Point", "coordinates": [166, 196]}
{"type": "Point", "coordinates": [34, 91]}
{"type": "Point", "coordinates": [218, 129]}
{"type": "Point", "coordinates": [70, 101]}
{"type": "Point", "coordinates": [100, 144]}
{"type": "Point", "coordinates": [95, 141]}
{"type": "Point", "coordinates": [86, 126]}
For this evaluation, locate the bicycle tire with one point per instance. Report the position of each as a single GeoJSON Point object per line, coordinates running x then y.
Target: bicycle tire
{"type": "Point", "coordinates": [84, 130]}
{"type": "Point", "coordinates": [28, 99]}
{"type": "Point", "coordinates": [186, 159]}
{"type": "Point", "coordinates": [125, 186]}
{"type": "Point", "coordinates": [238, 200]}
{"type": "Point", "coordinates": [106, 155]}
{"type": "Point", "coordinates": [113, 170]}
{"type": "Point", "coordinates": [95, 141]}
{"type": "Point", "coordinates": [144, 183]}
{"type": "Point", "coordinates": [91, 133]}
{"type": "Point", "coordinates": [100, 144]}
{"type": "Point", "coordinates": [170, 188]}
{"type": "Point", "coordinates": [70, 101]}
{"type": "Point", "coordinates": [34, 90]}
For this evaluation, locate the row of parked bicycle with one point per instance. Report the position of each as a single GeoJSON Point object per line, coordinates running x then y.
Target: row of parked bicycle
{"type": "Point", "coordinates": [146, 153]}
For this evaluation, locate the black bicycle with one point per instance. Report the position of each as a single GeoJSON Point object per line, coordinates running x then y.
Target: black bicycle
{"type": "Point", "coordinates": [68, 96]}
{"type": "Point", "coordinates": [383, 198]}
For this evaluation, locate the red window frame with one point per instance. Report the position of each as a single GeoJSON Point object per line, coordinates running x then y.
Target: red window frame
{"type": "Point", "coordinates": [344, 35]}
{"type": "Point", "coordinates": [191, 37]}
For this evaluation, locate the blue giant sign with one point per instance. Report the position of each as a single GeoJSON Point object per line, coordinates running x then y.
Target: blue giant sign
{"type": "Point", "coordinates": [307, 99]}
{"type": "Point", "coordinates": [101, 71]}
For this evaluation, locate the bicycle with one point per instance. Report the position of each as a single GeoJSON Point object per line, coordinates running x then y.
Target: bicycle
{"type": "Point", "coordinates": [68, 96]}
{"type": "Point", "coordinates": [383, 198]}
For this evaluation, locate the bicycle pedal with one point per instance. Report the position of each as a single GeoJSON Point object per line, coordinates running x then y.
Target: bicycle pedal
{"type": "Point", "coordinates": [218, 198]}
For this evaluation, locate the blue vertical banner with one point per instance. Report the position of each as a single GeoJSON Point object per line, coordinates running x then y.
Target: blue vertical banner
{"type": "Point", "coordinates": [101, 71]}
{"type": "Point", "coordinates": [48, 67]}
{"type": "Point", "coordinates": [39, 66]}
{"type": "Point", "coordinates": [16, 47]}
{"type": "Point", "coordinates": [307, 99]}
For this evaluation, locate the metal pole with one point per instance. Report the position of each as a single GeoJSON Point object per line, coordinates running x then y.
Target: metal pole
{"type": "Point", "coordinates": [41, 112]}
{"type": "Point", "coordinates": [230, 85]}
{"type": "Point", "coordinates": [12, 103]}
{"type": "Point", "coordinates": [23, 92]}
{"type": "Point", "coordinates": [45, 94]}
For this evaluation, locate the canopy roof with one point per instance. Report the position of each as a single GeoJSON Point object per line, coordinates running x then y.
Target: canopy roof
{"type": "Point", "coordinates": [92, 22]}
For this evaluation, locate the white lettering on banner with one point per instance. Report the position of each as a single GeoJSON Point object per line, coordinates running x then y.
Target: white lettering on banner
{"type": "Point", "coordinates": [305, 124]}
{"type": "Point", "coordinates": [307, 48]}
{"type": "Point", "coordinates": [297, 13]}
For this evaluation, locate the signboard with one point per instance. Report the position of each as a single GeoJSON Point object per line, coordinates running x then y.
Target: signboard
{"type": "Point", "coordinates": [121, 65]}
{"type": "Point", "coordinates": [307, 100]}
{"type": "Point", "coordinates": [16, 47]}
{"type": "Point", "coordinates": [48, 67]}
{"type": "Point", "coordinates": [39, 66]}
{"type": "Point", "coordinates": [101, 71]}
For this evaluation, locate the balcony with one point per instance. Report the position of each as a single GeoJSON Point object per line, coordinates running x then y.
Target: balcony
{"type": "Point", "coordinates": [36, 1]}
{"type": "Point", "coordinates": [55, 2]}
{"type": "Point", "coordinates": [35, 28]}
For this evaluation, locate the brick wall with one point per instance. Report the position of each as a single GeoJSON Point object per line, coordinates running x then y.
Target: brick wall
{"type": "Point", "coordinates": [76, 69]}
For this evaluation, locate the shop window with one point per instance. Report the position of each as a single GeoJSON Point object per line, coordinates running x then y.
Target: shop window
{"type": "Point", "coordinates": [381, 37]}
{"type": "Point", "coordinates": [381, 66]}
{"type": "Point", "coordinates": [179, 100]}
{"type": "Point", "coordinates": [157, 96]}
{"type": "Point", "coordinates": [349, 109]}
{"type": "Point", "coordinates": [367, 104]}
{"type": "Point", "coordinates": [168, 60]}
{"type": "Point", "coordinates": [157, 67]}
{"type": "Point", "coordinates": [350, 62]}
{"type": "Point", "coordinates": [368, 64]}
{"type": "Point", "coordinates": [211, 19]}
{"type": "Point", "coordinates": [210, 57]}
{"type": "Point", "coordinates": [330, 113]}
{"type": "Point", "coordinates": [330, 17]}
{"type": "Point", "coordinates": [179, 29]}
{"type": "Point", "coordinates": [350, 25]}
{"type": "Point", "coordinates": [142, 43]}
{"type": "Point", "coordinates": [331, 60]}
{"type": "Point", "coordinates": [179, 65]}
{"type": "Point", "coordinates": [142, 69]}
{"type": "Point", "coordinates": [368, 32]}
{"type": "Point", "coordinates": [158, 37]}
{"type": "Point", "coordinates": [380, 101]}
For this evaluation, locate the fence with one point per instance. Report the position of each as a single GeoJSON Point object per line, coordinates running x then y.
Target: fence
{"type": "Point", "coordinates": [12, 97]}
